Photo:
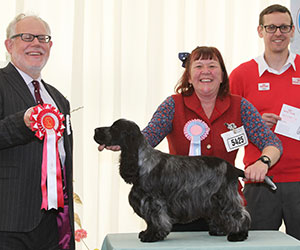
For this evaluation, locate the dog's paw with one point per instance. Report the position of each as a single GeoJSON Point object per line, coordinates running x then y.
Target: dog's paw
{"type": "Point", "coordinates": [241, 236]}
{"type": "Point", "coordinates": [150, 236]}
{"type": "Point", "coordinates": [141, 234]}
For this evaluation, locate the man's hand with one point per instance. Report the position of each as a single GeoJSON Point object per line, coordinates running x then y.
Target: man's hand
{"type": "Point", "coordinates": [270, 119]}
{"type": "Point", "coordinates": [27, 117]}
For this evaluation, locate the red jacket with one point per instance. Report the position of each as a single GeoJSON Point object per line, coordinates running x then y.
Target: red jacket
{"type": "Point", "coordinates": [187, 108]}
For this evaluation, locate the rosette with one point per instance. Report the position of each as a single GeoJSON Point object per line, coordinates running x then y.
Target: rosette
{"type": "Point", "coordinates": [48, 124]}
{"type": "Point", "coordinates": [195, 130]}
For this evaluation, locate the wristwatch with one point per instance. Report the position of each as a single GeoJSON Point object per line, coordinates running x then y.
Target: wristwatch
{"type": "Point", "coordinates": [265, 159]}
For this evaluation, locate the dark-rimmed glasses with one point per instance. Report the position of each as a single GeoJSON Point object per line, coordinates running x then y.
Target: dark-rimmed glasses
{"type": "Point", "coordinates": [27, 37]}
{"type": "Point", "coordinates": [273, 28]}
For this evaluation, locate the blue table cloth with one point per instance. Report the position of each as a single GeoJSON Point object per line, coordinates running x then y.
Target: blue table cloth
{"type": "Point", "coordinates": [257, 240]}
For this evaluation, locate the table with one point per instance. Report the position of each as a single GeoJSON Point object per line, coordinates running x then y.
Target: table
{"type": "Point", "coordinates": [257, 240]}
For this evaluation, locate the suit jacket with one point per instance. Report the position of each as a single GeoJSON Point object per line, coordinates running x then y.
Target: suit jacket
{"type": "Point", "coordinates": [21, 156]}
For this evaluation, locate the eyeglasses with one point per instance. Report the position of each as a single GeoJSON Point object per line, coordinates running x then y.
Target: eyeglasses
{"type": "Point", "coordinates": [273, 28]}
{"type": "Point", "coordinates": [27, 37]}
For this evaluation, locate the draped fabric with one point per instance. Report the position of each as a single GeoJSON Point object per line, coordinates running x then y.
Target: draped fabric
{"type": "Point", "coordinates": [119, 58]}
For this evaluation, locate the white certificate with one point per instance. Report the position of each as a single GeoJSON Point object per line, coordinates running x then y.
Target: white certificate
{"type": "Point", "coordinates": [289, 125]}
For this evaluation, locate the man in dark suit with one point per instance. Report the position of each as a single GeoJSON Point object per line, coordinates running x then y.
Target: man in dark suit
{"type": "Point", "coordinates": [23, 223]}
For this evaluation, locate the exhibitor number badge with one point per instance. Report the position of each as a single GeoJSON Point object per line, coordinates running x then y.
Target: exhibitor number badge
{"type": "Point", "coordinates": [235, 139]}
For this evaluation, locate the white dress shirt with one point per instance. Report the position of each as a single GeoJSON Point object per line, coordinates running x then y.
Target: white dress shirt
{"type": "Point", "coordinates": [263, 66]}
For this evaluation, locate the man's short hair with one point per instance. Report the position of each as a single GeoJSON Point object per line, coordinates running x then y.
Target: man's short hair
{"type": "Point", "coordinates": [11, 28]}
{"type": "Point", "coordinates": [274, 8]}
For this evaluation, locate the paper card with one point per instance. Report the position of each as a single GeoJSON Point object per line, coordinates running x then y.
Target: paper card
{"type": "Point", "coordinates": [289, 125]}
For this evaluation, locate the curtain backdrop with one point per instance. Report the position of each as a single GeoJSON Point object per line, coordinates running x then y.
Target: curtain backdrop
{"type": "Point", "coordinates": [118, 58]}
{"type": "Point", "coordinates": [295, 11]}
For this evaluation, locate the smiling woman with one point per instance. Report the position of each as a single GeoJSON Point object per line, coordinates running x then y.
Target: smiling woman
{"type": "Point", "coordinates": [206, 77]}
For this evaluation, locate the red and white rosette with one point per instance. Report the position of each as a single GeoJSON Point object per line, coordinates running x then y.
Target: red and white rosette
{"type": "Point", "coordinates": [195, 130]}
{"type": "Point", "coordinates": [48, 124]}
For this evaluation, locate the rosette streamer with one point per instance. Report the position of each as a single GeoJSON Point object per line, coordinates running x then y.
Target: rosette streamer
{"type": "Point", "coordinates": [48, 124]}
{"type": "Point", "coordinates": [195, 130]}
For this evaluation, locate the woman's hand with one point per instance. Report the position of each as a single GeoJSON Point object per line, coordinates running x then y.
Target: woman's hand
{"type": "Point", "coordinates": [112, 148]}
{"type": "Point", "coordinates": [256, 172]}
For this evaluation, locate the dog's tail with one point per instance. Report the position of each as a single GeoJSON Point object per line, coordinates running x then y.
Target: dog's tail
{"type": "Point", "coordinates": [267, 180]}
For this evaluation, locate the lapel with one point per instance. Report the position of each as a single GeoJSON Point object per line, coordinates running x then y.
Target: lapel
{"type": "Point", "coordinates": [17, 82]}
{"type": "Point", "coordinates": [53, 93]}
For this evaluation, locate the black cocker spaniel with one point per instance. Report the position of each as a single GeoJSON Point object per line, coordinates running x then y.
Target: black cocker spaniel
{"type": "Point", "coordinates": [169, 189]}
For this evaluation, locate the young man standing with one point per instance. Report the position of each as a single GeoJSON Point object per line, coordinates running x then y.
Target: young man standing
{"type": "Point", "coordinates": [268, 82]}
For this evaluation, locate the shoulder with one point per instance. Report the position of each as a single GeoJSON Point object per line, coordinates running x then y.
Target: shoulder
{"type": "Point", "coordinates": [297, 59]}
{"type": "Point", "coordinates": [167, 105]}
{"type": "Point", "coordinates": [170, 99]}
{"type": "Point", "coordinates": [175, 97]}
{"type": "Point", "coordinates": [244, 67]}
{"type": "Point", "coordinates": [235, 97]}
{"type": "Point", "coordinates": [10, 70]}
{"type": "Point", "coordinates": [247, 106]}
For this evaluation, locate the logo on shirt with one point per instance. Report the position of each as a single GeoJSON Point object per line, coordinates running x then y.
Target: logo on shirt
{"type": "Point", "coordinates": [264, 86]}
{"type": "Point", "coordinates": [296, 80]}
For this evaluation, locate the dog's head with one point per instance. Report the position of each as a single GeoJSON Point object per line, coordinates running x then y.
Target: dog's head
{"type": "Point", "coordinates": [122, 132]}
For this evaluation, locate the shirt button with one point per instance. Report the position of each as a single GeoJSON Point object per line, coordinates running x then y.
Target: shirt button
{"type": "Point", "coordinates": [208, 146]}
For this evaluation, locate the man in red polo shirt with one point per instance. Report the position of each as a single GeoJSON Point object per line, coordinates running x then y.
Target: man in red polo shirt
{"type": "Point", "coordinates": [268, 82]}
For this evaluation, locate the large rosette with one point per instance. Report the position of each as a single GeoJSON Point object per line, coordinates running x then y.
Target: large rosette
{"type": "Point", "coordinates": [48, 124]}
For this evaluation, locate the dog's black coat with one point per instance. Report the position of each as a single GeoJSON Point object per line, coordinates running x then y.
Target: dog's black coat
{"type": "Point", "coordinates": [169, 189]}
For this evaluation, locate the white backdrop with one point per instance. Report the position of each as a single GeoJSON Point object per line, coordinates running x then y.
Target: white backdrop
{"type": "Point", "coordinates": [118, 58]}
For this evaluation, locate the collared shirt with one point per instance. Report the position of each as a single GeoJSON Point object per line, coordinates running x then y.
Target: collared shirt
{"type": "Point", "coordinates": [47, 99]}
{"type": "Point", "coordinates": [263, 66]}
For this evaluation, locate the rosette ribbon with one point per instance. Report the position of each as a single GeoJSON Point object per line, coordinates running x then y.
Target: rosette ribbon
{"type": "Point", "coordinates": [195, 130]}
{"type": "Point", "coordinates": [48, 124]}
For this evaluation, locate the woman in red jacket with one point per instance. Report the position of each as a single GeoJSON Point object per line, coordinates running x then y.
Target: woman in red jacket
{"type": "Point", "coordinates": [204, 118]}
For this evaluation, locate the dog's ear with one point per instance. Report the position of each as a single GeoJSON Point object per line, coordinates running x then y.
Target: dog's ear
{"type": "Point", "coordinates": [131, 136]}
{"type": "Point", "coordinates": [132, 139]}
{"type": "Point", "coordinates": [129, 169]}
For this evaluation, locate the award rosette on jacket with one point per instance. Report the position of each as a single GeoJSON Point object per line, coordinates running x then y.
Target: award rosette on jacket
{"type": "Point", "coordinates": [195, 130]}
{"type": "Point", "coordinates": [48, 124]}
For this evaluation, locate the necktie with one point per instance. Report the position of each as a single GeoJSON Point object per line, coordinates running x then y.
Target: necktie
{"type": "Point", "coordinates": [37, 94]}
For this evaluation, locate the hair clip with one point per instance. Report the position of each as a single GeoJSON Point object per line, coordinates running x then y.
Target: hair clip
{"type": "Point", "coordinates": [183, 56]}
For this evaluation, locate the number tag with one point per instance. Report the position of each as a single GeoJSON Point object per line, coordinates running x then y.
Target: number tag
{"type": "Point", "coordinates": [235, 139]}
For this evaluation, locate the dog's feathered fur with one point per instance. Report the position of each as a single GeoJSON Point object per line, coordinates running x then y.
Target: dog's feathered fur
{"type": "Point", "coordinates": [169, 189]}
